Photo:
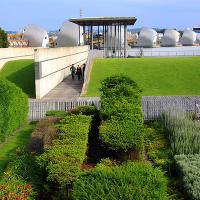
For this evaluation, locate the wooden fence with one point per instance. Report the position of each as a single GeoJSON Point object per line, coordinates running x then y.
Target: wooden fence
{"type": "Point", "coordinates": [152, 107]}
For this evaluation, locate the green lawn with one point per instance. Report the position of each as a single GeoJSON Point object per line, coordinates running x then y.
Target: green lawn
{"type": "Point", "coordinates": [8, 151]}
{"type": "Point", "coordinates": [21, 73]}
{"type": "Point", "coordinates": [156, 76]}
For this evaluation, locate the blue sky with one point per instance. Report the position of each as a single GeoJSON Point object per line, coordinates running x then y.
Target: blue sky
{"type": "Point", "coordinates": [50, 14]}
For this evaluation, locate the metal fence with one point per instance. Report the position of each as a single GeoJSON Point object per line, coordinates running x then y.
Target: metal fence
{"type": "Point", "coordinates": [152, 106]}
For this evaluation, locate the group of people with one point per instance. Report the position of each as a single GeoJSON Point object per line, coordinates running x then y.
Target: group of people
{"type": "Point", "coordinates": [77, 71]}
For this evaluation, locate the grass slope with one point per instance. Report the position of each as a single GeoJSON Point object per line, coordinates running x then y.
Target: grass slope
{"type": "Point", "coordinates": [21, 73]}
{"type": "Point", "coordinates": [156, 76]}
{"type": "Point", "coordinates": [8, 151]}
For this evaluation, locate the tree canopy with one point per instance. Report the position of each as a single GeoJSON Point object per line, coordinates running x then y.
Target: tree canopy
{"type": "Point", "coordinates": [3, 39]}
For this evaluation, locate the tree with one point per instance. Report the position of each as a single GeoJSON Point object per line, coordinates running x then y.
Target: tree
{"type": "Point", "coordinates": [3, 39]}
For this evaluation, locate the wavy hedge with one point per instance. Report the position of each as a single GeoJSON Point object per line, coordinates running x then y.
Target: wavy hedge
{"type": "Point", "coordinates": [13, 108]}
{"type": "Point", "coordinates": [132, 180]}
{"type": "Point", "coordinates": [62, 160]}
{"type": "Point", "coordinates": [189, 172]}
{"type": "Point", "coordinates": [122, 127]}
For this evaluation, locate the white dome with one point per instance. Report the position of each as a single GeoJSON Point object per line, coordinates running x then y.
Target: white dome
{"type": "Point", "coordinates": [147, 38]}
{"type": "Point", "coordinates": [170, 38]}
{"type": "Point", "coordinates": [68, 35]}
{"type": "Point", "coordinates": [189, 37]}
{"type": "Point", "coordinates": [36, 36]}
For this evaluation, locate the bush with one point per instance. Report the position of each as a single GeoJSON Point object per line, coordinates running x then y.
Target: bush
{"type": "Point", "coordinates": [130, 181]}
{"type": "Point", "coordinates": [22, 179]}
{"type": "Point", "coordinates": [87, 110]}
{"type": "Point", "coordinates": [13, 108]}
{"type": "Point", "coordinates": [189, 172]}
{"type": "Point", "coordinates": [182, 131]}
{"type": "Point", "coordinates": [122, 134]}
{"type": "Point", "coordinates": [56, 113]}
{"type": "Point", "coordinates": [63, 159]}
{"type": "Point", "coordinates": [3, 39]}
{"type": "Point", "coordinates": [43, 134]}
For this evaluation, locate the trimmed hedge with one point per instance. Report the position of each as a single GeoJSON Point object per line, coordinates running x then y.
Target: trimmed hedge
{"type": "Point", "coordinates": [63, 159]}
{"type": "Point", "coordinates": [130, 181]}
{"type": "Point", "coordinates": [86, 110]}
{"type": "Point", "coordinates": [189, 171]}
{"type": "Point", "coordinates": [122, 126]}
{"type": "Point", "coordinates": [13, 108]}
{"type": "Point", "coordinates": [56, 113]}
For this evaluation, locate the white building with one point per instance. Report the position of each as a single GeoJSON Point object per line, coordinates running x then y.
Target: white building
{"type": "Point", "coordinates": [146, 38]}
{"type": "Point", "coordinates": [69, 35]}
{"type": "Point", "coordinates": [189, 38]}
{"type": "Point", "coordinates": [170, 38]}
{"type": "Point", "coordinates": [37, 36]}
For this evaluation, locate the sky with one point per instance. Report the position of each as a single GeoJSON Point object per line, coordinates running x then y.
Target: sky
{"type": "Point", "coordinates": [50, 14]}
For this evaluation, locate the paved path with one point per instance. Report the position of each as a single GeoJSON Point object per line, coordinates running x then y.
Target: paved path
{"type": "Point", "coordinates": [68, 89]}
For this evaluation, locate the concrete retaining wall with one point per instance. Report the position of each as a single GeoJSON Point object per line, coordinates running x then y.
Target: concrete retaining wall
{"type": "Point", "coordinates": [8, 54]}
{"type": "Point", "coordinates": [53, 65]}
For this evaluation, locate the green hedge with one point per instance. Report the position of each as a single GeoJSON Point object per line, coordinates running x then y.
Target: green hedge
{"type": "Point", "coordinates": [182, 131]}
{"type": "Point", "coordinates": [123, 134]}
{"type": "Point", "coordinates": [189, 171]}
{"type": "Point", "coordinates": [63, 159]}
{"type": "Point", "coordinates": [87, 110]}
{"type": "Point", "coordinates": [56, 113]}
{"type": "Point", "coordinates": [130, 181]}
{"type": "Point", "coordinates": [13, 108]}
{"type": "Point", "coordinates": [122, 127]}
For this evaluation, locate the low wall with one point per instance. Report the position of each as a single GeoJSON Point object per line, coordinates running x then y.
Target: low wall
{"type": "Point", "coordinates": [8, 54]}
{"type": "Point", "coordinates": [53, 65]}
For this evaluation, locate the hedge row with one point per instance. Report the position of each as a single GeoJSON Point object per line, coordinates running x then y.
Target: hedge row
{"type": "Point", "coordinates": [13, 108]}
{"type": "Point", "coordinates": [63, 159]}
{"type": "Point", "coordinates": [131, 180]}
{"type": "Point", "coordinates": [189, 171]}
{"type": "Point", "coordinates": [182, 131]}
{"type": "Point", "coordinates": [122, 121]}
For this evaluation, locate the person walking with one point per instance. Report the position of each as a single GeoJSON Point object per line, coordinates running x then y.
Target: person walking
{"type": "Point", "coordinates": [84, 65]}
{"type": "Point", "coordinates": [73, 69]}
{"type": "Point", "coordinates": [78, 72]}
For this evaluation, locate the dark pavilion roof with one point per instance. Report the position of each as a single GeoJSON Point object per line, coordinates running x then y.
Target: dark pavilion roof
{"type": "Point", "coordinates": [99, 21]}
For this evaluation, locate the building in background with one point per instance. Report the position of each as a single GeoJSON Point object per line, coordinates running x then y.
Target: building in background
{"type": "Point", "coordinates": [170, 38]}
{"type": "Point", "coordinates": [146, 38]}
{"type": "Point", "coordinates": [69, 35]}
{"type": "Point", "coordinates": [189, 38]}
{"type": "Point", "coordinates": [197, 28]}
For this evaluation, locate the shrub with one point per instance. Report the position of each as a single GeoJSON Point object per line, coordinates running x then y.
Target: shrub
{"type": "Point", "coordinates": [182, 131]}
{"type": "Point", "coordinates": [43, 134]}
{"type": "Point", "coordinates": [56, 113]}
{"type": "Point", "coordinates": [3, 39]}
{"type": "Point", "coordinates": [13, 108]}
{"type": "Point", "coordinates": [130, 181]}
{"type": "Point", "coordinates": [63, 159]}
{"type": "Point", "coordinates": [22, 179]}
{"type": "Point", "coordinates": [122, 134]}
{"type": "Point", "coordinates": [189, 172]}
{"type": "Point", "coordinates": [87, 110]}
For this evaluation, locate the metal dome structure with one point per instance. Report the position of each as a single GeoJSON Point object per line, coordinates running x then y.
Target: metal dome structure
{"type": "Point", "coordinates": [170, 38]}
{"type": "Point", "coordinates": [189, 38]}
{"type": "Point", "coordinates": [198, 38]}
{"type": "Point", "coordinates": [147, 38]}
{"type": "Point", "coordinates": [69, 35]}
{"type": "Point", "coordinates": [36, 36]}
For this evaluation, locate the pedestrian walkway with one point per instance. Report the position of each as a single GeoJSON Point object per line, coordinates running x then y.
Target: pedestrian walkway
{"type": "Point", "coordinates": [68, 89]}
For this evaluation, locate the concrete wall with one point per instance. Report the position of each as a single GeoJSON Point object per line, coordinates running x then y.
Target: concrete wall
{"type": "Point", "coordinates": [8, 54]}
{"type": "Point", "coordinates": [53, 65]}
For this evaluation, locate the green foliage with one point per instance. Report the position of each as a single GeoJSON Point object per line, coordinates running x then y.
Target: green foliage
{"type": "Point", "coordinates": [56, 113]}
{"type": "Point", "coordinates": [123, 133]}
{"type": "Point", "coordinates": [3, 39]}
{"type": "Point", "coordinates": [63, 159]}
{"type": "Point", "coordinates": [130, 181]}
{"type": "Point", "coordinates": [189, 171]}
{"type": "Point", "coordinates": [182, 131]}
{"type": "Point", "coordinates": [13, 108]}
{"type": "Point", "coordinates": [22, 74]}
{"type": "Point", "coordinates": [87, 110]}
{"type": "Point", "coordinates": [23, 178]}
{"type": "Point", "coordinates": [121, 108]}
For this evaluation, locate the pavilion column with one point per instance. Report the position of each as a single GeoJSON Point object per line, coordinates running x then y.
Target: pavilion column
{"type": "Point", "coordinates": [91, 33]}
{"type": "Point", "coordinates": [125, 40]}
